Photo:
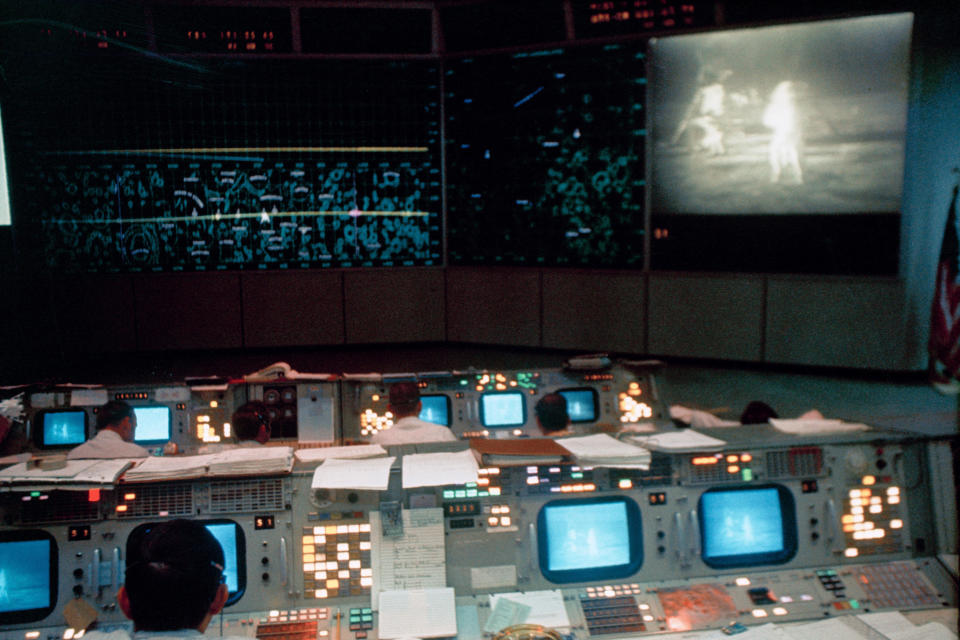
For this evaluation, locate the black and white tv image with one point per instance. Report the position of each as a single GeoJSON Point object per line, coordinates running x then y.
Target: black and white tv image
{"type": "Point", "coordinates": [795, 119]}
{"type": "Point", "coordinates": [28, 576]}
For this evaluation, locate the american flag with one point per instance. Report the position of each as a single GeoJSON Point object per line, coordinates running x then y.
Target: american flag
{"type": "Point", "coordinates": [945, 313]}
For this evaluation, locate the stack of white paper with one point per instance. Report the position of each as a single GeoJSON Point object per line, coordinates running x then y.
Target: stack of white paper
{"type": "Point", "coordinates": [803, 426]}
{"type": "Point", "coordinates": [76, 473]}
{"type": "Point", "coordinates": [251, 461]}
{"type": "Point", "coordinates": [602, 450]}
{"type": "Point", "coordinates": [685, 440]}
{"type": "Point", "coordinates": [439, 469]}
{"type": "Point", "coordinates": [169, 468]}
{"type": "Point", "coordinates": [353, 451]}
{"type": "Point", "coordinates": [367, 473]}
{"type": "Point", "coordinates": [419, 613]}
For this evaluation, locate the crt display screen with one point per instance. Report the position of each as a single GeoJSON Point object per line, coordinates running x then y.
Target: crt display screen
{"type": "Point", "coordinates": [230, 536]}
{"type": "Point", "coordinates": [64, 428]}
{"type": "Point", "coordinates": [436, 409]}
{"type": "Point", "coordinates": [502, 409]}
{"type": "Point", "coordinates": [747, 526]}
{"type": "Point", "coordinates": [153, 424]}
{"type": "Point", "coordinates": [589, 539]}
{"type": "Point", "coordinates": [581, 404]}
{"type": "Point", "coordinates": [28, 587]}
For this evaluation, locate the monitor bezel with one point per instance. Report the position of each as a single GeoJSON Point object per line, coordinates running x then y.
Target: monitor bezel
{"type": "Point", "coordinates": [38, 613]}
{"type": "Point", "coordinates": [137, 534]}
{"type": "Point", "coordinates": [592, 574]}
{"type": "Point", "coordinates": [447, 404]}
{"type": "Point", "coordinates": [512, 425]}
{"type": "Point", "coordinates": [593, 394]}
{"type": "Point", "coordinates": [154, 441]}
{"type": "Point", "coordinates": [788, 518]}
{"type": "Point", "coordinates": [40, 435]}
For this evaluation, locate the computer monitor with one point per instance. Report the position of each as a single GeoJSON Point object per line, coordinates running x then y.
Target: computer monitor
{"type": "Point", "coordinates": [28, 576]}
{"type": "Point", "coordinates": [153, 425]}
{"type": "Point", "coordinates": [435, 409]}
{"type": "Point", "coordinates": [62, 428]}
{"type": "Point", "coordinates": [587, 539]}
{"type": "Point", "coordinates": [746, 526]}
{"type": "Point", "coordinates": [582, 404]}
{"type": "Point", "coordinates": [507, 409]}
{"type": "Point", "coordinates": [230, 536]}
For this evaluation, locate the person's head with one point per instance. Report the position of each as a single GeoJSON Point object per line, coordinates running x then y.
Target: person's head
{"type": "Point", "coordinates": [177, 580]}
{"type": "Point", "coordinates": [117, 416]}
{"type": "Point", "coordinates": [757, 413]}
{"type": "Point", "coordinates": [252, 422]}
{"type": "Point", "coordinates": [405, 399]}
{"type": "Point", "coordinates": [551, 412]}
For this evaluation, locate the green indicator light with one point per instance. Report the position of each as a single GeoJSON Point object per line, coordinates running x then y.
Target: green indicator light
{"type": "Point", "coordinates": [471, 493]}
{"type": "Point", "coordinates": [447, 495]}
{"type": "Point", "coordinates": [577, 475]}
{"type": "Point", "coordinates": [464, 383]}
{"type": "Point", "coordinates": [367, 610]}
{"type": "Point", "coordinates": [854, 604]}
{"type": "Point", "coordinates": [461, 494]}
{"type": "Point", "coordinates": [747, 475]}
{"type": "Point", "coordinates": [34, 494]}
{"type": "Point", "coordinates": [471, 485]}
{"type": "Point", "coordinates": [483, 494]}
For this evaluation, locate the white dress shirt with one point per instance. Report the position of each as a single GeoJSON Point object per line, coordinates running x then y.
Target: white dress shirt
{"type": "Point", "coordinates": [410, 429]}
{"type": "Point", "coordinates": [107, 444]}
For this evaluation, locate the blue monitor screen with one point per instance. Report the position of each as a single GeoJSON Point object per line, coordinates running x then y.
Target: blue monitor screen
{"type": "Point", "coordinates": [153, 424]}
{"type": "Point", "coordinates": [589, 539]}
{"type": "Point", "coordinates": [581, 404]}
{"type": "Point", "coordinates": [503, 409]}
{"type": "Point", "coordinates": [230, 536]}
{"type": "Point", "coordinates": [741, 527]}
{"type": "Point", "coordinates": [435, 409]}
{"type": "Point", "coordinates": [28, 576]}
{"type": "Point", "coordinates": [226, 535]}
{"type": "Point", "coordinates": [64, 428]}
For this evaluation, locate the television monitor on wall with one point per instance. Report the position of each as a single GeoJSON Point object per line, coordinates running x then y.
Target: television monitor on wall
{"type": "Point", "coordinates": [503, 409]}
{"type": "Point", "coordinates": [780, 148]}
{"type": "Point", "coordinates": [435, 409]}
{"type": "Point", "coordinates": [747, 526]}
{"type": "Point", "coordinates": [153, 425]}
{"type": "Point", "coordinates": [582, 404]}
{"type": "Point", "coordinates": [587, 539]}
{"type": "Point", "coordinates": [28, 565]}
{"type": "Point", "coordinates": [230, 536]}
{"type": "Point", "coordinates": [62, 428]}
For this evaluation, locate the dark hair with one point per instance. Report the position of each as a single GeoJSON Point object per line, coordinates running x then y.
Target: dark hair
{"type": "Point", "coordinates": [174, 581]}
{"type": "Point", "coordinates": [404, 397]}
{"type": "Point", "coordinates": [551, 409]}
{"type": "Point", "coordinates": [757, 413]}
{"type": "Point", "coordinates": [113, 413]}
{"type": "Point", "coordinates": [248, 418]}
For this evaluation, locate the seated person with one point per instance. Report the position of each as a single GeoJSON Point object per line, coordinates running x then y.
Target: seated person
{"type": "Point", "coordinates": [116, 423]}
{"type": "Point", "coordinates": [407, 427]}
{"type": "Point", "coordinates": [176, 586]}
{"type": "Point", "coordinates": [552, 417]}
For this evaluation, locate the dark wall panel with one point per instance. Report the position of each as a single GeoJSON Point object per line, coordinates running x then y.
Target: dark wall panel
{"type": "Point", "coordinates": [288, 309]}
{"type": "Point", "coordinates": [188, 311]}
{"type": "Point", "coordinates": [95, 314]}
{"type": "Point", "coordinates": [594, 310]}
{"type": "Point", "coordinates": [394, 305]}
{"type": "Point", "coordinates": [494, 306]}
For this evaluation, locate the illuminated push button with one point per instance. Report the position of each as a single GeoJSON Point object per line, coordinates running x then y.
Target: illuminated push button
{"type": "Point", "coordinates": [759, 613]}
{"type": "Point", "coordinates": [505, 521]}
{"type": "Point", "coordinates": [647, 618]}
{"type": "Point", "coordinates": [779, 611]}
{"type": "Point", "coordinates": [742, 582]}
{"type": "Point", "coordinates": [869, 480]}
{"type": "Point", "coordinates": [896, 524]}
{"type": "Point", "coordinates": [851, 552]}
{"type": "Point", "coordinates": [493, 521]}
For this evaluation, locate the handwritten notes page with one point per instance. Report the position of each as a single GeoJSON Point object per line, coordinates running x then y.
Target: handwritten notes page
{"type": "Point", "coordinates": [415, 560]}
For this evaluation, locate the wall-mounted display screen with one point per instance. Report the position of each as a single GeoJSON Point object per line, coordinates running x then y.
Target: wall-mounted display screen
{"type": "Point", "coordinates": [28, 576]}
{"type": "Point", "coordinates": [507, 409]}
{"type": "Point", "coordinates": [545, 157]}
{"type": "Point", "coordinates": [151, 163]}
{"type": "Point", "coordinates": [780, 148]}
{"type": "Point", "coordinates": [62, 428]}
{"type": "Point", "coordinates": [153, 425]}
{"type": "Point", "coordinates": [589, 539]}
{"type": "Point", "coordinates": [435, 409]}
{"type": "Point", "coordinates": [747, 526]}
{"type": "Point", "coordinates": [582, 404]}
{"type": "Point", "coordinates": [230, 536]}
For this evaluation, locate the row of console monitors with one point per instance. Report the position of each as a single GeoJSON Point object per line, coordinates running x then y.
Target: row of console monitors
{"type": "Point", "coordinates": [352, 408]}
{"type": "Point", "coordinates": [877, 501]}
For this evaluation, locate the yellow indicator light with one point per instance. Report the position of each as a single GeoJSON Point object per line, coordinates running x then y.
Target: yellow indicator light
{"type": "Point", "coordinates": [203, 418]}
{"type": "Point", "coordinates": [483, 482]}
{"type": "Point", "coordinates": [733, 468]}
{"type": "Point", "coordinates": [214, 404]}
{"type": "Point", "coordinates": [759, 613]}
{"type": "Point", "coordinates": [375, 397]}
{"type": "Point", "coordinates": [501, 386]}
{"type": "Point", "coordinates": [851, 552]}
{"type": "Point", "coordinates": [746, 457]}
{"type": "Point", "coordinates": [121, 508]}
{"type": "Point", "coordinates": [866, 493]}
{"type": "Point", "coordinates": [493, 521]}
{"type": "Point", "coordinates": [129, 496]}
{"type": "Point", "coordinates": [779, 611]}
{"type": "Point", "coordinates": [705, 460]}
{"type": "Point", "coordinates": [333, 583]}
{"type": "Point", "coordinates": [869, 480]}
{"type": "Point", "coordinates": [30, 635]}
{"type": "Point", "coordinates": [846, 519]}
{"type": "Point", "coordinates": [479, 387]}
{"type": "Point", "coordinates": [896, 524]}
{"type": "Point", "coordinates": [626, 483]}
{"type": "Point", "coordinates": [732, 458]}
{"type": "Point", "coordinates": [848, 528]}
